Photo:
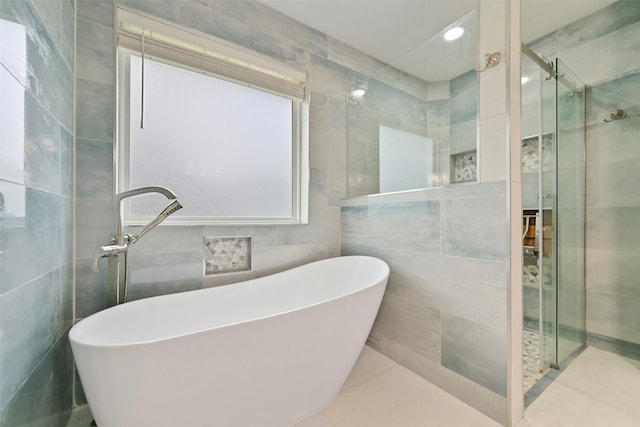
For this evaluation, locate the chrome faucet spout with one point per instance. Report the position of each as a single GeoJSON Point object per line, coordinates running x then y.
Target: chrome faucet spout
{"type": "Point", "coordinates": [143, 190]}
{"type": "Point", "coordinates": [117, 237]}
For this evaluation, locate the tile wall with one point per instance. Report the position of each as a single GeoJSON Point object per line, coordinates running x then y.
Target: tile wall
{"type": "Point", "coordinates": [384, 105]}
{"type": "Point", "coordinates": [95, 118]}
{"type": "Point", "coordinates": [445, 112]}
{"type": "Point", "coordinates": [36, 234]}
{"type": "Point", "coordinates": [170, 259]}
{"type": "Point", "coordinates": [452, 260]}
{"type": "Point", "coordinates": [463, 124]}
{"type": "Point", "coordinates": [444, 312]}
{"type": "Point", "coordinates": [601, 49]}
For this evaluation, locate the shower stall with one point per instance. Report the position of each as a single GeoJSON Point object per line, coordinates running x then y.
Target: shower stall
{"type": "Point", "coordinates": [553, 212]}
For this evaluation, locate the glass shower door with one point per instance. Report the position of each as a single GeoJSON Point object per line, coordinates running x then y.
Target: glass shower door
{"type": "Point", "coordinates": [570, 211]}
{"type": "Point", "coordinates": [554, 200]}
{"type": "Point", "coordinates": [546, 236]}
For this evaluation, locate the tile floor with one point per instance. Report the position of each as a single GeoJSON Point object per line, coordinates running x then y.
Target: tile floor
{"type": "Point", "coordinates": [531, 359]}
{"type": "Point", "coordinates": [598, 389]}
{"type": "Point", "coordinates": [381, 393]}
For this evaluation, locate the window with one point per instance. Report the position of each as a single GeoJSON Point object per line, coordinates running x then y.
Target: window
{"type": "Point", "coordinates": [224, 128]}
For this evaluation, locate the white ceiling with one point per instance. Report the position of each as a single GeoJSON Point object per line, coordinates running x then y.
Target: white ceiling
{"type": "Point", "coordinates": [407, 33]}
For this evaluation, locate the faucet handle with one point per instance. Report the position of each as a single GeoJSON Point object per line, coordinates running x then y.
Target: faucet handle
{"type": "Point", "coordinates": [108, 251]}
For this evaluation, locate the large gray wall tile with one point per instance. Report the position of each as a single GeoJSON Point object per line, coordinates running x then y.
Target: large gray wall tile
{"type": "Point", "coordinates": [27, 315]}
{"type": "Point", "coordinates": [614, 316]}
{"type": "Point", "coordinates": [95, 51]}
{"type": "Point", "coordinates": [438, 112]}
{"type": "Point", "coordinates": [92, 288]}
{"type": "Point", "coordinates": [613, 142]}
{"type": "Point", "coordinates": [94, 110]}
{"type": "Point", "coordinates": [94, 169]}
{"type": "Point", "coordinates": [610, 19]}
{"type": "Point", "coordinates": [160, 274]}
{"type": "Point", "coordinates": [464, 106]}
{"type": "Point", "coordinates": [610, 95]}
{"type": "Point", "coordinates": [27, 240]}
{"type": "Point", "coordinates": [101, 12]}
{"type": "Point", "coordinates": [474, 228]}
{"type": "Point", "coordinates": [167, 9]}
{"type": "Point", "coordinates": [266, 20]}
{"type": "Point", "coordinates": [614, 184]}
{"type": "Point", "coordinates": [609, 228]}
{"type": "Point", "coordinates": [41, 148]}
{"type": "Point", "coordinates": [467, 288]}
{"type": "Point", "coordinates": [409, 226]}
{"type": "Point", "coordinates": [45, 400]}
{"type": "Point", "coordinates": [611, 63]}
{"type": "Point", "coordinates": [463, 136]}
{"type": "Point", "coordinates": [476, 352]}
{"type": "Point", "coordinates": [613, 270]}
{"type": "Point", "coordinates": [46, 75]}
{"type": "Point", "coordinates": [410, 323]}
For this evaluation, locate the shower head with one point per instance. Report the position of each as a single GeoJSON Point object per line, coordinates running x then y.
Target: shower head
{"type": "Point", "coordinates": [172, 208]}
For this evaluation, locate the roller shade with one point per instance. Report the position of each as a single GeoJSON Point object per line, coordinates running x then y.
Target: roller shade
{"type": "Point", "coordinates": [209, 54]}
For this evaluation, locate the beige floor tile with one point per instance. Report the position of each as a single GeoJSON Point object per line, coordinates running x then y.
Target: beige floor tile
{"type": "Point", "coordinates": [607, 378]}
{"type": "Point", "coordinates": [434, 409]}
{"type": "Point", "coordinates": [362, 404]}
{"type": "Point", "coordinates": [369, 364]}
{"type": "Point", "coordinates": [524, 423]}
{"type": "Point", "coordinates": [562, 406]}
{"type": "Point", "coordinates": [595, 369]}
{"type": "Point", "coordinates": [382, 393]}
{"type": "Point", "coordinates": [326, 422]}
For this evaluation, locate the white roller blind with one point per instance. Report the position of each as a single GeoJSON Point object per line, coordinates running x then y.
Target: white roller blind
{"type": "Point", "coordinates": [207, 53]}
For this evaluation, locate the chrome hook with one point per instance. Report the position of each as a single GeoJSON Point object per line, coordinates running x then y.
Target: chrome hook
{"type": "Point", "coordinates": [492, 59]}
{"type": "Point", "coordinates": [618, 114]}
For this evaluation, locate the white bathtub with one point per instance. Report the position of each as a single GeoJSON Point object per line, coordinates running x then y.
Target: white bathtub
{"type": "Point", "coordinates": [269, 352]}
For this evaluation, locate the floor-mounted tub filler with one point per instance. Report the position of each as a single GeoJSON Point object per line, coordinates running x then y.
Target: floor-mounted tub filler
{"type": "Point", "coordinates": [268, 352]}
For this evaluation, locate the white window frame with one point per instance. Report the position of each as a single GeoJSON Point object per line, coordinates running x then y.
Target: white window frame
{"type": "Point", "coordinates": [240, 66]}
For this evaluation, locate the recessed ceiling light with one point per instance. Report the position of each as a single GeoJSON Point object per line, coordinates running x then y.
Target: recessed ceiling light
{"type": "Point", "coordinates": [524, 79]}
{"type": "Point", "coordinates": [358, 93]}
{"type": "Point", "coordinates": [454, 33]}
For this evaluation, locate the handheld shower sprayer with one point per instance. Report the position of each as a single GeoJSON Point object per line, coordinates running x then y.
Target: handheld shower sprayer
{"type": "Point", "coordinates": [172, 208]}
{"type": "Point", "coordinates": [120, 242]}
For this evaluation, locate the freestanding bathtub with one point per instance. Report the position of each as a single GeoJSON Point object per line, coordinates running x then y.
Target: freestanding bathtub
{"type": "Point", "coordinates": [268, 352]}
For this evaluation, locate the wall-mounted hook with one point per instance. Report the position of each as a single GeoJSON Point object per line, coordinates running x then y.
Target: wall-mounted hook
{"type": "Point", "coordinates": [492, 59]}
{"type": "Point", "coordinates": [618, 114]}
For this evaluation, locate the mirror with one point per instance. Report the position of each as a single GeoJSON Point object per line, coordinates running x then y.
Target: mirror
{"type": "Point", "coordinates": [424, 136]}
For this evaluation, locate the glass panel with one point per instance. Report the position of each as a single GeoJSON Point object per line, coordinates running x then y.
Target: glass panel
{"type": "Point", "coordinates": [553, 183]}
{"type": "Point", "coordinates": [571, 211]}
{"type": "Point", "coordinates": [438, 108]}
{"type": "Point", "coordinates": [547, 198]}
{"type": "Point", "coordinates": [406, 160]}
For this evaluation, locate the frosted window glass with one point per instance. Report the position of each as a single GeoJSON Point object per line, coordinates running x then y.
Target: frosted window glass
{"type": "Point", "coordinates": [225, 149]}
{"type": "Point", "coordinates": [406, 160]}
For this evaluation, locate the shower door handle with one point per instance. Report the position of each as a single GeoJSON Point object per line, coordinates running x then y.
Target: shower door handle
{"type": "Point", "coordinates": [553, 223]}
